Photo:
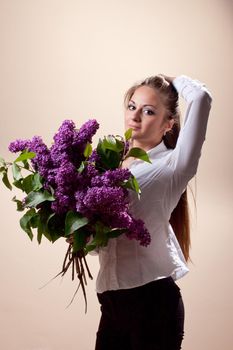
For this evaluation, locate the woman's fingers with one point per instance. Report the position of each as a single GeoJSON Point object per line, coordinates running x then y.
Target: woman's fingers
{"type": "Point", "coordinates": [70, 240]}
{"type": "Point", "coordinates": [167, 78]}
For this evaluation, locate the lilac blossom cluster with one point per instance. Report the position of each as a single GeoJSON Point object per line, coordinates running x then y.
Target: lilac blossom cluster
{"type": "Point", "coordinates": [95, 193]}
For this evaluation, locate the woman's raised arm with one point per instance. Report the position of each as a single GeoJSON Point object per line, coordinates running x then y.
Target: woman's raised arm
{"type": "Point", "coordinates": [193, 131]}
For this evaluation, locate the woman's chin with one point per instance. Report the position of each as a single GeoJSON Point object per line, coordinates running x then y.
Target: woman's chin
{"type": "Point", "coordinates": [135, 133]}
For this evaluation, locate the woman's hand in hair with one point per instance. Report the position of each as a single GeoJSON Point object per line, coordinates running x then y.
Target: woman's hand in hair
{"type": "Point", "coordinates": [167, 78]}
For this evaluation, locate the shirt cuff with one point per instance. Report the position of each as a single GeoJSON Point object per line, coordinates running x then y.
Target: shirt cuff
{"type": "Point", "coordinates": [189, 88]}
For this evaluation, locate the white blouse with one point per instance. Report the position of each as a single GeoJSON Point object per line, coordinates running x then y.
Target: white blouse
{"type": "Point", "coordinates": [125, 263]}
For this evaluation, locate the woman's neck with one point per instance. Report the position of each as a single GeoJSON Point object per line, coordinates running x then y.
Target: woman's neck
{"type": "Point", "coordinates": [145, 146]}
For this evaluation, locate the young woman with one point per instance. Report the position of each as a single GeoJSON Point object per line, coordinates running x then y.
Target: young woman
{"type": "Point", "coordinates": [141, 304]}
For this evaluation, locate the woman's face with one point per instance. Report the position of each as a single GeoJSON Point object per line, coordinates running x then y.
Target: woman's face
{"type": "Point", "coordinates": [146, 116]}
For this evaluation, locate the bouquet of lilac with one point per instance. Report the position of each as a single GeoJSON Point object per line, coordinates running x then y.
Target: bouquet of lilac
{"type": "Point", "coordinates": [76, 192]}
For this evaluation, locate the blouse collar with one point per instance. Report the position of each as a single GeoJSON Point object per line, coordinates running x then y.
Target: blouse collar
{"type": "Point", "coordinates": [152, 153]}
{"type": "Point", "coordinates": [160, 148]}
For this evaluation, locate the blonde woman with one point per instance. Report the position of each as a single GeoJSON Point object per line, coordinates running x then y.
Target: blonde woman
{"type": "Point", "coordinates": [142, 307]}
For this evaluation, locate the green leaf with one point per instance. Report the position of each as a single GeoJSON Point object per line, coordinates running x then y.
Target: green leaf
{"type": "Point", "coordinates": [44, 218]}
{"type": "Point", "coordinates": [35, 198]}
{"type": "Point", "coordinates": [46, 227]}
{"type": "Point", "coordinates": [5, 179]}
{"type": "Point", "coordinates": [110, 150]}
{"type": "Point", "coordinates": [51, 190]}
{"type": "Point", "coordinates": [16, 172]}
{"type": "Point", "coordinates": [20, 206]}
{"type": "Point", "coordinates": [27, 185]}
{"type": "Point", "coordinates": [26, 164]}
{"type": "Point", "coordinates": [101, 235]}
{"type": "Point", "coordinates": [109, 159]}
{"type": "Point", "coordinates": [88, 150]}
{"type": "Point", "coordinates": [82, 167]}
{"type": "Point", "coordinates": [79, 240]}
{"type": "Point", "coordinates": [89, 247]}
{"type": "Point", "coordinates": [34, 222]}
{"type": "Point", "coordinates": [109, 142]}
{"type": "Point", "coordinates": [25, 156]}
{"type": "Point", "coordinates": [18, 184]}
{"type": "Point", "coordinates": [139, 153]}
{"type": "Point", "coordinates": [55, 225]}
{"type": "Point", "coordinates": [37, 182]}
{"type": "Point", "coordinates": [25, 222]}
{"type": "Point", "coordinates": [112, 143]}
{"type": "Point", "coordinates": [116, 232]}
{"type": "Point", "coordinates": [39, 234]}
{"type": "Point", "coordinates": [128, 134]}
{"type": "Point", "coordinates": [2, 162]}
{"type": "Point", "coordinates": [50, 224]}
{"type": "Point", "coordinates": [73, 222]}
{"type": "Point", "coordinates": [55, 234]}
{"type": "Point", "coordinates": [132, 184]}
{"type": "Point", "coordinates": [32, 182]}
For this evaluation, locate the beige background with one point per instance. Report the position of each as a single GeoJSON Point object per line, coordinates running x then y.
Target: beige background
{"type": "Point", "coordinates": [75, 59]}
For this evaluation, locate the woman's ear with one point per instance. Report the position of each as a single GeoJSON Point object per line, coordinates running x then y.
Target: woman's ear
{"type": "Point", "coordinates": [169, 125]}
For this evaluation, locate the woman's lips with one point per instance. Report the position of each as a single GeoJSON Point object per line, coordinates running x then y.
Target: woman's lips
{"type": "Point", "coordinates": [134, 127]}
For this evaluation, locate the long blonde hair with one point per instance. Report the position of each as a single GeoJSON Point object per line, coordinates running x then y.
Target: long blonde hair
{"type": "Point", "coordinates": [179, 219]}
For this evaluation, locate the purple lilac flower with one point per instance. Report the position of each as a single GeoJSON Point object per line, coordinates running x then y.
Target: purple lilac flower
{"type": "Point", "coordinates": [115, 177]}
{"type": "Point", "coordinates": [61, 150]}
{"type": "Point", "coordinates": [93, 194]}
{"type": "Point", "coordinates": [94, 157]}
{"type": "Point", "coordinates": [97, 181]}
{"type": "Point", "coordinates": [65, 182]}
{"type": "Point", "coordinates": [66, 174]}
{"type": "Point", "coordinates": [18, 145]}
{"type": "Point", "coordinates": [102, 201]}
{"type": "Point", "coordinates": [105, 199]}
{"type": "Point", "coordinates": [63, 203]}
{"type": "Point", "coordinates": [111, 178]}
{"type": "Point", "coordinates": [58, 155]}
{"type": "Point", "coordinates": [83, 180]}
{"type": "Point", "coordinates": [138, 231]}
{"type": "Point", "coordinates": [65, 135]}
{"type": "Point", "coordinates": [51, 178]}
{"type": "Point", "coordinates": [121, 220]}
{"type": "Point", "coordinates": [136, 227]}
{"type": "Point", "coordinates": [126, 147]}
{"type": "Point", "coordinates": [42, 161]}
{"type": "Point", "coordinates": [90, 172]}
{"type": "Point", "coordinates": [70, 143]}
{"type": "Point", "coordinates": [86, 132]}
{"type": "Point", "coordinates": [80, 206]}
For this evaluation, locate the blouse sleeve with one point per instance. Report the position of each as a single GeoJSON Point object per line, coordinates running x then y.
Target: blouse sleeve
{"type": "Point", "coordinates": [186, 155]}
{"type": "Point", "coordinates": [192, 134]}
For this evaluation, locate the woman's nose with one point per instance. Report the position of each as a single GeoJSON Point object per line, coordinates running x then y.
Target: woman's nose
{"type": "Point", "coordinates": [136, 115]}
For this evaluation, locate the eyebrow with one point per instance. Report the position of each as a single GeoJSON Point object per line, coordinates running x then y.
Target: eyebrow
{"type": "Point", "coordinates": [145, 104]}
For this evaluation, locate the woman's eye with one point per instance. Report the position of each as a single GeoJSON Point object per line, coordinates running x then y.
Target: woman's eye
{"type": "Point", "coordinates": [149, 112]}
{"type": "Point", "coordinates": [131, 107]}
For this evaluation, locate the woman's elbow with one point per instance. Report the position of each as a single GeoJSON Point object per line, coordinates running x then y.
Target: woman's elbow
{"type": "Point", "coordinates": [204, 96]}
